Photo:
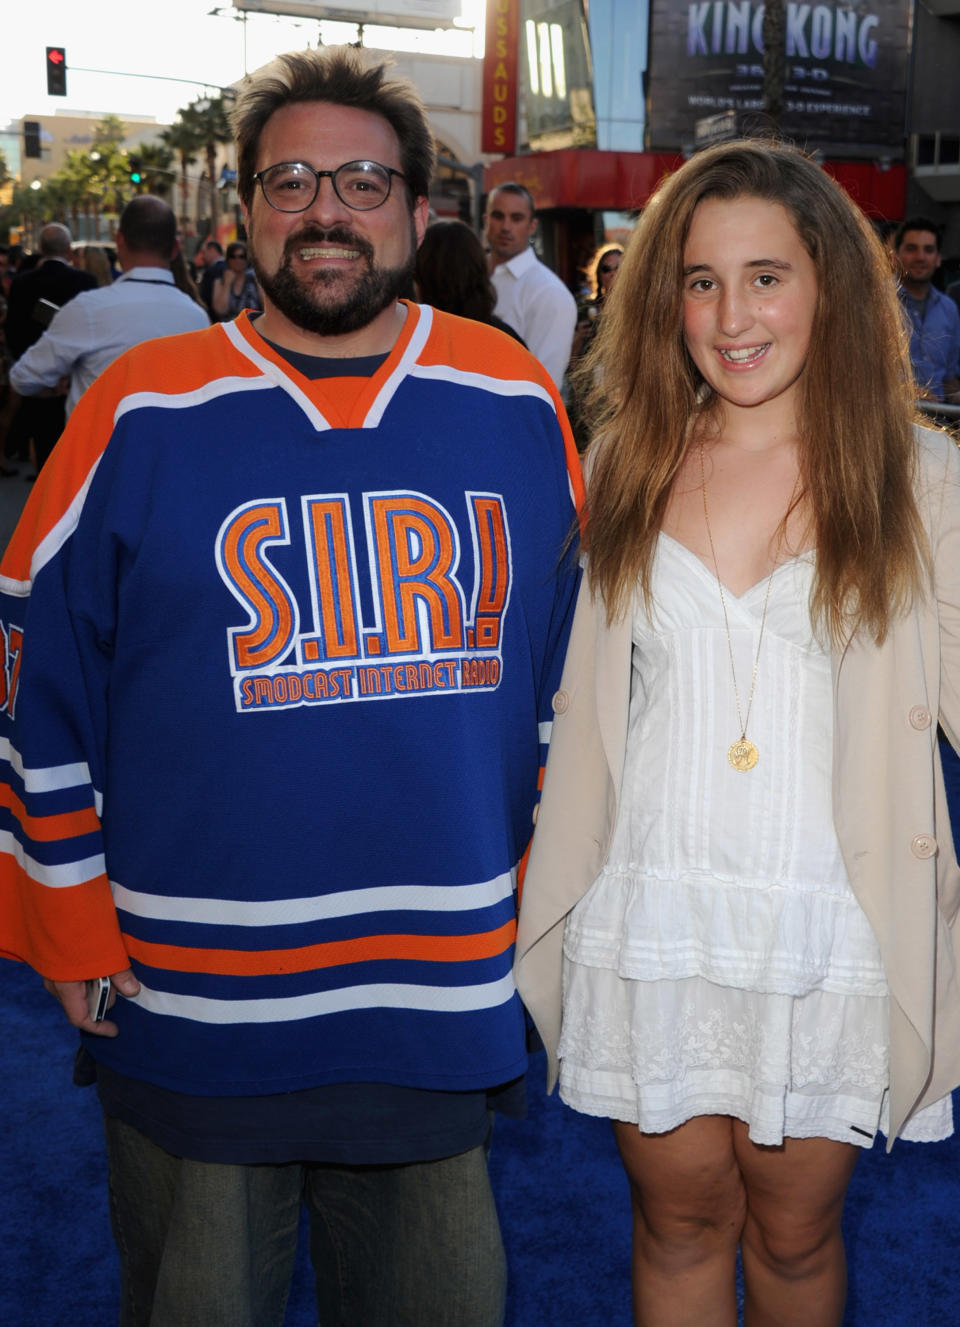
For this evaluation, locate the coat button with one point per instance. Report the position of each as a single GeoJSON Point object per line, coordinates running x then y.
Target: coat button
{"type": "Point", "coordinates": [560, 702]}
{"type": "Point", "coordinates": [535, 813]}
{"type": "Point", "coordinates": [923, 845]}
{"type": "Point", "coordinates": [920, 717]}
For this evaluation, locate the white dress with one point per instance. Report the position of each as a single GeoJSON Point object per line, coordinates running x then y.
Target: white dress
{"type": "Point", "coordinates": [720, 963]}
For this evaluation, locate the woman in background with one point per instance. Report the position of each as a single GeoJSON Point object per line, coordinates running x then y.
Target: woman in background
{"type": "Point", "coordinates": [236, 288]}
{"type": "Point", "coordinates": [737, 934]}
{"type": "Point", "coordinates": [95, 260]}
{"type": "Point", "coordinates": [452, 274]}
{"type": "Point", "coordinates": [182, 278]}
{"type": "Point", "coordinates": [601, 274]}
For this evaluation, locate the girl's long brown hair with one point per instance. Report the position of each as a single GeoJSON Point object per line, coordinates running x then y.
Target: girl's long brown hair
{"type": "Point", "coordinates": [858, 452]}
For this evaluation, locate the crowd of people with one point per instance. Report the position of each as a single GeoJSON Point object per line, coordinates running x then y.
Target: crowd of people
{"type": "Point", "coordinates": [312, 623]}
{"type": "Point", "coordinates": [54, 345]}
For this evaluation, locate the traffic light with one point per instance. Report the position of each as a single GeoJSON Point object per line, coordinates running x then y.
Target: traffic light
{"type": "Point", "coordinates": [31, 138]}
{"type": "Point", "coordinates": [56, 71]}
{"type": "Point", "coordinates": [136, 173]}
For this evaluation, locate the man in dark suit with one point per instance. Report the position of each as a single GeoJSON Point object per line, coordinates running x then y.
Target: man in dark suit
{"type": "Point", "coordinates": [214, 266]}
{"type": "Point", "coordinates": [34, 298]}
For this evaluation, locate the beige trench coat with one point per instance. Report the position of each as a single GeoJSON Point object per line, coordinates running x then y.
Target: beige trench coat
{"type": "Point", "coordinates": [889, 805]}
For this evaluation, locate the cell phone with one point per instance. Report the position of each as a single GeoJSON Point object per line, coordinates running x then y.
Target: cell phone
{"type": "Point", "coordinates": [98, 993]}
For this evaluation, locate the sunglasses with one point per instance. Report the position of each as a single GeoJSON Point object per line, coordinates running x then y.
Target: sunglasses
{"type": "Point", "coordinates": [605, 271]}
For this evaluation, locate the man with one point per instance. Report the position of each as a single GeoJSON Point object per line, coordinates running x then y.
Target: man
{"type": "Point", "coordinates": [34, 298]}
{"type": "Point", "coordinates": [210, 258]}
{"type": "Point", "coordinates": [531, 298]}
{"type": "Point", "coordinates": [275, 739]}
{"type": "Point", "coordinates": [934, 320]}
{"type": "Point", "coordinates": [92, 330]}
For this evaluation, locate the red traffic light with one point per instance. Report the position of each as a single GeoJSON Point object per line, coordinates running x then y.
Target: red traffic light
{"type": "Point", "coordinates": [56, 71]}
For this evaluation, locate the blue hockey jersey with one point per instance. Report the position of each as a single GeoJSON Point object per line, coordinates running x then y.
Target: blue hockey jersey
{"type": "Point", "coordinates": [277, 677]}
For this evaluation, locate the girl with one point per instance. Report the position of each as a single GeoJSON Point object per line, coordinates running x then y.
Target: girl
{"type": "Point", "coordinates": [743, 871]}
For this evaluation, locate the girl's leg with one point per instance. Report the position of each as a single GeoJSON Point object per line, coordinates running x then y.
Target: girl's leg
{"type": "Point", "coordinates": [689, 1208]}
{"type": "Point", "coordinates": [794, 1267]}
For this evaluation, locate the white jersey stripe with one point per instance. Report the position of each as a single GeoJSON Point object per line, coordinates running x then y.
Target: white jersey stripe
{"type": "Point", "coordinates": [48, 778]}
{"type": "Point", "coordinates": [484, 382]}
{"type": "Point", "coordinates": [62, 876]}
{"type": "Point", "coordinates": [275, 377]}
{"type": "Point", "coordinates": [321, 907]}
{"type": "Point", "coordinates": [210, 391]}
{"type": "Point", "coordinates": [406, 364]}
{"type": "Point", "coordinates": [431, 999]}
{"type": "Point", "coordinates": [50, 545]}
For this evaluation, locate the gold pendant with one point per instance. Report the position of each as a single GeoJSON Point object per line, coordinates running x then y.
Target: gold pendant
{"type": "Point", "coordinates": [743, 755]}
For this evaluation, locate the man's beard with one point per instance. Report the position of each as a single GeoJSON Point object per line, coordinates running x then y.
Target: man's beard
{"type": "Point", "coordinates": [296, 298]}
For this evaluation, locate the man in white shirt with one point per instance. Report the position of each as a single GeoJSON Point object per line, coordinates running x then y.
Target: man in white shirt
{"type": "Point", "coordinates": [95, 327]}
{"type": "Point", "coordinates": [531, 298]}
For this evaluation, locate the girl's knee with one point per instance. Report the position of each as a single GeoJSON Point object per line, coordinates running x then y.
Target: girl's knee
{"type": "Point", "coordinates": [792, 1246]}
{"type": "Point", "coordinates": [694, 1226]}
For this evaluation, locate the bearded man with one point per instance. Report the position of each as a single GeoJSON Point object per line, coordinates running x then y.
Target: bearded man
{"type": "Point", "coordinates": [282, 627]}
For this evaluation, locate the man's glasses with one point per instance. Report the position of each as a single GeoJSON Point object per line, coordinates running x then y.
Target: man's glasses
{"type": "Point", "coordinates": [237, 253]}
{"type": "Point", "coordinates": [291, 186]}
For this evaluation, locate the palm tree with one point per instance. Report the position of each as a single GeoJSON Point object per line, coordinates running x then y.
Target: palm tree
{"type": "Point", "coordinates": [184, 139]}
{"type": "Point", "coordinates": [156, 175]}
{"type": "Point", "coordinates": [774, 60]}
{"type": "Point", "coordinates": [109, 134]}
{"type": "Point", "coordinates": [210, 117]}
{"type": "Point", "coordinates": [77, 178]}
{"type": "Point", "coordinates": [28, 209]}
{"type": "Point", "coordinates": [62, 196]}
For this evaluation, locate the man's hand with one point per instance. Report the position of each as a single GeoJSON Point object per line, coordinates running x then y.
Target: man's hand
{"type": "Point", "coordinates": [73, 996]}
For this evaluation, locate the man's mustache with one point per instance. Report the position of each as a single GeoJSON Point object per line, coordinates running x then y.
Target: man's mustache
{"type": "Point", "coordinates": [340, 235]}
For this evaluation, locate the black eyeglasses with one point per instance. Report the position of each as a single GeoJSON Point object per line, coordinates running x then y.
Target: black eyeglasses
{"type": "Point", "coordinates": [236, 253]}
{"type": "Point", "coordinates": [605, 271]}
{"type": "Point", "coordinates": [291, 186]}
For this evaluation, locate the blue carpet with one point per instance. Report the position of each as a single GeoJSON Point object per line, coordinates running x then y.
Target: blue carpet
{"type": "Point", "coordinates": [560, 1190]}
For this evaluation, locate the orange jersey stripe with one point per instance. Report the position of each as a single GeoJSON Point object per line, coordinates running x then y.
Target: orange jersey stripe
{"type": "Point", "coordinates": [335, 953]}
{"type": "Point", "coordinates": [79, 939]}
{"type": "Point", "coordinates": [155, 366]}
{"type": "Point", "coordinates": [501, 357]}
{"type": "Point", "coordinates": [343, 402]}
{"type": "Point", "coordinates": [47, 829]}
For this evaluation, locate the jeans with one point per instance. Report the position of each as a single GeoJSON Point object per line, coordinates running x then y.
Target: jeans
{"type": "Point", "coordinates": [209, 1245]}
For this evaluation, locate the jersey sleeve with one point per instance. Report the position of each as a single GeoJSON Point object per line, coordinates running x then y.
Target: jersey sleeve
{"type": "Point", "coordinates": [56, 905]}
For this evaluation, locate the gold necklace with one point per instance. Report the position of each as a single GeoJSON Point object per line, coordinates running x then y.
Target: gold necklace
{"type": "Point", "coordinates": [742, 754]}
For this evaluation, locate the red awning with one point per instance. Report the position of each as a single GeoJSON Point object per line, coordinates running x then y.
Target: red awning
{"type": "Point", "coordinates": [622, 181]}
